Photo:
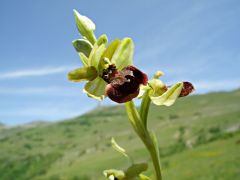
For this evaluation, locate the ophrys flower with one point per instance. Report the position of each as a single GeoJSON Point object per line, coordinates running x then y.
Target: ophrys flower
{"type": "Point", "coordinates": [107, 68]}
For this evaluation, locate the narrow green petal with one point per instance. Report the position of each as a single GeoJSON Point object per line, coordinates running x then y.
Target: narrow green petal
{"type": "Point", "coordinates": [158, 87]}
{"type": "Point", "coordinates": [84, 59]}
{"type": "Point", "coordinates": [158, 74]}
{"type": "Point", "coordinates": [102, 40]}
{"type": "Point", "coordinates": [85, 26]}
{"type": "Point", "coordinates": [169, 97]}
{"type": "Point", "coordinates": [96, 88]}
{"type": "Point", "coordinates": [123, 55]}
{"type": "Point", "coordinates": [96, 55]}
{"type": "Point", "coordinates": [103, 64]}
{"type": "Point", "coordinates": [82, 46]}
{"type": "Point", "coordinates": [111, 49]}
{"type": "Point", "coordinates": [80, 74]}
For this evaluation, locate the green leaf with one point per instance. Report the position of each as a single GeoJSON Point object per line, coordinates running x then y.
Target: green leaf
{"type": "Point", "coordinates": [96, 55]}
{"type": "Point", "coordinates": [123, 55]}
{"type": "Point", "coordinates": [102, 40]}
{"type": "Point", "coordinates": [118, 148]}
{"type": "Point", "coordinates": [169, 97]}
{"type": "Point", "coordinates": [111, 49]}
{"type": "Point", "coordinates": [135, 169]}
{"type": "Point", "coordinates": [84, 59]}
{"type": "Point", "coordinates": [95, 88]}
{"type": "Point", "coordinates": [85, 26]}
{"type": "Point", "coordinates": [80, 74]}
{"type": "Point", "coordinates": [82, 46]}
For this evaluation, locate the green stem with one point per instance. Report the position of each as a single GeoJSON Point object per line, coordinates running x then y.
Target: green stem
{"type": "Point", "coordinates": [154, 151]}
{"type": "Point", "coordinates": [144, 108]}
{"type": "Point", "coordinates": [148, 139]}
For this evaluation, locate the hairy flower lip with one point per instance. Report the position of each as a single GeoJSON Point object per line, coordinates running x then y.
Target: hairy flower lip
{"type": "Point", "coordinates": [114, 94]}
{"type": "Point", "coordinates": [125, 84]}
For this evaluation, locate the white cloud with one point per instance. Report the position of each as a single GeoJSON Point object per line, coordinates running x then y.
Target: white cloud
{"type": "Point", "coordinates": [35, 72]}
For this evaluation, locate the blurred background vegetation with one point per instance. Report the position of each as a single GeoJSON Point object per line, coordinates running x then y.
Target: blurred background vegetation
{"type": "Point", "coordinates": [199, 138]}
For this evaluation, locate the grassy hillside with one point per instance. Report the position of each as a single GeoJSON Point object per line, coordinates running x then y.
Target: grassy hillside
{"type": "Point", "coordinates": [199, 139]}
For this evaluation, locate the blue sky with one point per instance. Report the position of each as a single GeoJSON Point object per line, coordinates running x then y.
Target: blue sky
{"type": "Point", "coordinates": [189, 40]}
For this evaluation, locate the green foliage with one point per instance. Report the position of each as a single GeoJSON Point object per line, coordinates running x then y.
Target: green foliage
{"type": "Point", "coordinates": [205, 138]}
{"type": "Point", "coordinates": [27, 167]}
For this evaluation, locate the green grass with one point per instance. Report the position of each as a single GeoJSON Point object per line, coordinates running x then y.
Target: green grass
{"type": "Point", "coordinates": [199, 139]}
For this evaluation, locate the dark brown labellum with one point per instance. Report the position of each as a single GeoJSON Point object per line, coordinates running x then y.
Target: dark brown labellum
{"type": "Point", "coordinates": [187, 89]}
{"type": "Point", "coordinates": [124, 85]}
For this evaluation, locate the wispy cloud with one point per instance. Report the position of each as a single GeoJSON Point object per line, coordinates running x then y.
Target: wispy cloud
{"type": "Point", "coordinates": [35, 72]}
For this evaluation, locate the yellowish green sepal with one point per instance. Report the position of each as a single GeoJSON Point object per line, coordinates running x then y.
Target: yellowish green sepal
{"type": "Point", "coordinates": [112, 174]}
{"type": "Point", "coordinates": [96, 88]}
{"type": "Point", "coordinates": [82, 46]}
{"type": "Point", "coordinates": [123, 55]}
{"type": "Point", "coordinates": [111, 48]}
{"type": "Point", "coordinates": [96, 55]}
{"type": "Point", "coordinates": [81, 74]}
{"type": "Point", "coordinates": [84, 59]}
{"type": "Point", "coordinates": [85, 26]}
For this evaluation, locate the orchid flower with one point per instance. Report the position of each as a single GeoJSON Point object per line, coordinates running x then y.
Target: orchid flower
{"type": "Point", "coordinates": [160, 94]}
{"type": "Point", "coordinates": [107, 68]}
{"type": "Point", "coordinates": [109, 72]}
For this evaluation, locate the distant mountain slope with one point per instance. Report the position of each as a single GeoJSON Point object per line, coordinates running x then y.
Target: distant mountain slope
{"type": "Point", "coordinates": [199, 139]}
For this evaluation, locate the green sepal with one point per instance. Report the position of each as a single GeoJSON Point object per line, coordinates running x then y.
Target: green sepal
{"type": "Point", "coordinates": [96, 88]}
{"type": "Point", "coordinates": [110, 50]}
{"type": "Point", "coordinates": [96, 55]}
{"type": "Point", "coordinates": [120, 175]}
{"type": "Point", "coordinates": [143, 177]}
{"type": "Point", "coordinates": [85, 26]}
{"type": "Point", "coordinates": [102, 40]}
{"type": "Point", "coordinates": [135, 170]}
{"type": "Point", "coordinates": [169, 97]}
{"type": "Point", "coordinates": [82, 46]}
{"type": "Point", "coordinates": [81, 74]}
{"type": "Point", "coordinates": [84, 59]}
{"type": "Point", "coordinates": [123, 55]}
